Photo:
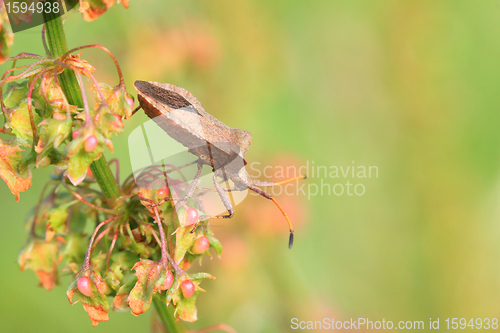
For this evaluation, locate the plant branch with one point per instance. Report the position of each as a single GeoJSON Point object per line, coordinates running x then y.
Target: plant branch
{"type": "Point", "coordinates": [57, 45]}
{"type": "Point", "coordinates": [167, 317]}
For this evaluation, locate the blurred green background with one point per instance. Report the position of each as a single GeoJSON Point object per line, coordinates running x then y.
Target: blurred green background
{"type": "Point", "coordinates": [411, 87]}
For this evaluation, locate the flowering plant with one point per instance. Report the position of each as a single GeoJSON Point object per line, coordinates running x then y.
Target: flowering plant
{"type": "Point", "coordinates": [124, 243]}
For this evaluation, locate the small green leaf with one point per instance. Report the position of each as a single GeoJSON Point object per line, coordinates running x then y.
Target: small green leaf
{"type": "Point", "coordinates": [125, 259]}
{"type": "Point", "coordinates": [150, 276]}
{"type": "Point", "coordinates": [186, 309]}
{"type": "Point", "coordinates": [18, 120]}
{"type": "Point", "coordinates": [16, 92]}
{"type": "Point", "coordinates": [10, 160]}
{"type": "Point", "coordinates": [42, 258]}
{"type": "Point", "coordinates": [80, 160]}
{"type": "Point", "coordinates": [114, 275]}
{"type": "Point", "coordinates": [6, 36]}
{"type": "Point", "coordinates": [184, 239]}
{"type": "Point", "coordinates": [119, 301]}
{"type": "Point", "coordinates": [106, 122]}
{"type": "Point", "coordinates": [53, 132]}
{"type": "Point", "coordinates": [74, 251]}
{"type": "Point", "coordinates": [214, 243]}
{"type": "Point", "coordinates": [58, 217]}
{"type": "Point", "coordinates": [116, 98]}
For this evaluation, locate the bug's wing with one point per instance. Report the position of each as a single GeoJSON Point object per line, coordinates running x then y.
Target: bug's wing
{"type": "Point", "coordinates": [183, 117]}
{"type": "Point", "coordinates": [223, 146]}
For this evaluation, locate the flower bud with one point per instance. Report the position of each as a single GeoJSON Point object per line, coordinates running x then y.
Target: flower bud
{"type": "Point", "coordinates": [201, 245]}
{"type": "Point", "coordinates": [90, 143]}
{"type": "Point", "coordinates": [169, 280]}
{"type": "Point", "coordinates": [84, 285]}
{"type": "Point", "coordinates": [187, 288]}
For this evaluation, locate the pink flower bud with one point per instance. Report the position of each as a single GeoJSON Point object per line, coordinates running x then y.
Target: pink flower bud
{"type": "Point", "coordinates": [90, 143]}
{"type": "Point", "coordinates": [84, 285]}
{"type": "Point", "coordinates": [130, 101]}
{"type": "Point", "coordinates": [201, 245]}
{"type": "Point", "coordinates": [169, 280]}
{"type": "Point", "coordinates": [187, 288]}
{"type": "Point", "coordinates": [191, 216]}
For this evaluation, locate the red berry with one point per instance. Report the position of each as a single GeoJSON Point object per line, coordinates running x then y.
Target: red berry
{"type": "Point", "coordinates": [169, 280]}
{"type": "Point", "coordinates": [90, 143]}
{"type": "Point", "coordinates": [75, 134]}
{"type": "Point", "coordinates": [130, 101]}
{"type": "Point", "coordinates": [191, 216]}
{"type": "Point", "coordinates": [187, 288]}
{"type": "Point", "coordinates": [163, 192]}
{"type": "Point", "coordinates": [201, 245]}
{"type": "Point", "coordinates": [84, 285]}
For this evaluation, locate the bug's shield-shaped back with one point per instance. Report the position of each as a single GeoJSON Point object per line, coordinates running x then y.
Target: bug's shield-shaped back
{"type": "Point", "coordinates": [158, 160]}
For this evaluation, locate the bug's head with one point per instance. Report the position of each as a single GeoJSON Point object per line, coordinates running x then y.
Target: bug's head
{"type": "Point", "coordinates": [244, 140]}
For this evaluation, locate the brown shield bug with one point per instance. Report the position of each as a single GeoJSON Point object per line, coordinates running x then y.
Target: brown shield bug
{"type": "Point", "coordinates": [215, 144]}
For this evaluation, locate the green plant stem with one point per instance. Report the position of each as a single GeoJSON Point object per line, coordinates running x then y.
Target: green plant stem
{"type": "Point", "coordinates": [167, 317]}
{"type": "Point", "coordinates": [56, 41]}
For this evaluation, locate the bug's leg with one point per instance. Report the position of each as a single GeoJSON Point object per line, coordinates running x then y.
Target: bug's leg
{"type": "Point", "coordinates": [225, 200]}
{"type": "Point", "coordinates": [268, 184]}
{"type": "Point", "coordinates": [199, 203]}
{"type": "Point", "coordinates": [200, 206]}
{"type": "Point", "coordinates": [225, 189]}
{"type": "Point", "coordinates": [192, 188]}
{"type": "Point", "coordinates": [270, 197]}
{"type": "Point", "coordinates": [194, 182]}
{"type": "Point", "coordinates": [178, 168]}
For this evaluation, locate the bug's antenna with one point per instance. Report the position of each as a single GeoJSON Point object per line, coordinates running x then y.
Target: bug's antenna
{"type": "Point", "coordinates": [268, 196]}
{"type": "Point", "coordinates": [290, 239]}
{"type": "Point", "coordinates": [269, 184]}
